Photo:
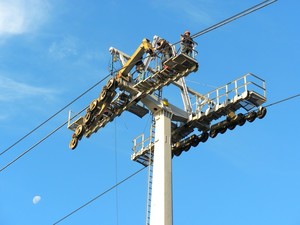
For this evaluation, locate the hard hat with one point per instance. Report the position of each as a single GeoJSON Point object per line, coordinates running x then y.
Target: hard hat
{"type": "Point", "coordinates": [187, 32]}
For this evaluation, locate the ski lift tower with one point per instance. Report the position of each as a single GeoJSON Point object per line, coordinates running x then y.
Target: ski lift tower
{"type": "Point", "coordinates": [173, 129]}
{"type": "Point", "coordinates": [161, 202]}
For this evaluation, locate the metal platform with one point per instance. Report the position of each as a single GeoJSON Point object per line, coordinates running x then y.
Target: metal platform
{"type": "Point", "coordinates": [124, 94]}
{"type": "Point", "coordinates": [246, 93]}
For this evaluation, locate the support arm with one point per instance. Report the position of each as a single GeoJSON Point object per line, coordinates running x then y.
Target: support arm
{"type": "Point", "coordinates": [145, 47]}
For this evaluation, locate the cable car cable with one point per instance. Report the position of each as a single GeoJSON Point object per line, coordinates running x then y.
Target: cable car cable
{"type": "Point", "coordinates": [98, 196]}
{"type": "Point", "coordinates": [283, 100]}
{"type": "Point", "coordinates": [244, 13]}
{"type": "Point", "coordinates": [232, 18]}
{"type": "Point", "coordinates": [51, 117]}
{"type": "Point", "coordinates": [39, 142]}
{"type": "Point", "coordinates": [47, 136]}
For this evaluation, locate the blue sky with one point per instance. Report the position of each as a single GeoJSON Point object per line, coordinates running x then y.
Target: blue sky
{"type": "Point", "coordinates": [52, 51]}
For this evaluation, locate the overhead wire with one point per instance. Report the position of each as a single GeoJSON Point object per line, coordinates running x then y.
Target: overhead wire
{"type": "Point", "coordinates": [47, 120]}
{"type": "Point", "coordinates": [283, 100]}
{"type": "Point", "coordinates": [205, 85]}
{"type": "Point", "coordinates": [237, 16]}
{"type": "Point", "coordinates": [55, 130]}
{"type": "Point", "coordinates": [115, 186]}
{"type": "Point", "coordinates": [39, 142]}
{"type": "Point", "coordinates": [116, 153]}
{"type": "Point", "coordinates": [232, 18]}
{"type": "Point", "coordinates": [252, 9]}
{"type": "Point", "coordinates": [62, 125]}
{"type": "Point", "coordinates": [243, 13]}
{"type": "Point", "coordinates": [116, 175]}
{"type": "Point", "coordinates": [98, 196]}
{"type": "Point", "coordinates": [52, 116]}
{"type": "Point", "coordinates": [59, 111]}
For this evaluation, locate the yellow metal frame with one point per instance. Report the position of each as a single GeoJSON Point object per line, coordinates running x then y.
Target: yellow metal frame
{"type": "Point", "coordinates": [145, 47]}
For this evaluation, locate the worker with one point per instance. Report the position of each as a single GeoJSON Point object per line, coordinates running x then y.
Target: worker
{"type": "Point", "coordinates": [140, 69]}
{"type": "Point", "coordinates": [186, 43]}
{"type": "Point", "coordinates": [165, 49]}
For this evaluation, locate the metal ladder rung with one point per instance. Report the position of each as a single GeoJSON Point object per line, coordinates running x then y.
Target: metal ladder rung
{"type": "Point", "coordinates": [141, 87]}
{"type": "Point", "coordinates": [158, 76]}
{"type": "Point", "coordinates": [152, 80]}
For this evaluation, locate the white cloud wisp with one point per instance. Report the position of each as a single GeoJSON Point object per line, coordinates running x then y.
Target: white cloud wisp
{"type": "Point", "coordinates": [11, 90]}
{"type": "Point", "coordinates": [22, 16]}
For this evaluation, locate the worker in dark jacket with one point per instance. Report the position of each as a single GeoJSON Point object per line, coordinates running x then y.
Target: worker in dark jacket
{"type": "Point", "coordinates": [186, 43]}
{"type": "Point", "coordinates": [165, 49]}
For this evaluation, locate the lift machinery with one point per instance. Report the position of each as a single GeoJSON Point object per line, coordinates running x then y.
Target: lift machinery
{"type": "Point", "coordinates": [137, 86]}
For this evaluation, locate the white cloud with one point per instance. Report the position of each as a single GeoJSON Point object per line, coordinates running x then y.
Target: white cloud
{"type": "Point", "coordinates": [71, 48]}
{"type": "Point", "coordinates": [22, 16]}
{"type": "Point", "coordinates": [196, 11]}
{"type": "Point", "coordinates": [11, 90]}
{"type": "Point", "coordinates": [67, 47]}
{"type": "Point", "coordinates": [197, 14]}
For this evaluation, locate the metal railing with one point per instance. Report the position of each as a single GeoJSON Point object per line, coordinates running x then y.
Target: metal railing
{"type": "Point", "coordinates": [229, 91]}
{"type": "Point", "coordinates": [140, 143]}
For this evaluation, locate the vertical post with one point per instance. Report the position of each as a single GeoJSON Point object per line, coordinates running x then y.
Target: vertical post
{"type": "Point", "coordinates": [161, 202]}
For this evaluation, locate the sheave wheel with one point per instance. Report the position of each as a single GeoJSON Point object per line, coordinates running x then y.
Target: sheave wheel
{"type": "Point", "coordinates": [93, 105]}
{"type": "Point", "coordinates": [79, 131]}
{"type": "Point", "coordinates": [186, 148]}
{"type": "Point", "coordinates": [87, 118]}
{"type": "Point", "coordinates": [213, 133]}
{"type": "Point", "coordinates": [251, 117]}
{"type": "Point", "coordinates": [261, 113]}
{"type": "Point", "coordinates": [73, 143]}
{"type": "Point", "coordinates": [242, 120]}
{"type": "Point", "coordinates": [177, 152]}
{"type": "Point", "coordinates": [223, 130]}
{"type": "Point", "coordinates": [204, 137]}
{"type": "Point", "coordinates": [110, 83]}
{"type": "Point", "coordinates": [103, 94]}
{"type": "Point", "coordinates": [232, 126]}
{"type": "Point", "coordinates": [195, 142]}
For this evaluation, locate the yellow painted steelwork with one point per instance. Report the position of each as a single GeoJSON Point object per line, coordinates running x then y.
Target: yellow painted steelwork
{"type": "Point", "coordinates": [145, 47]}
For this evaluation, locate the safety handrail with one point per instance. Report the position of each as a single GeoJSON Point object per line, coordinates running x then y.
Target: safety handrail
{"type": "Point", "coordinates": [230, 90]}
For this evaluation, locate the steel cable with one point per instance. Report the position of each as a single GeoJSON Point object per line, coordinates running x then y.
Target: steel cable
{"type": "Point", "coordinates": [237, 16]}
{"type": "Point", "coordinates": [272, 104]}
{"type": "Point", "coordinates": [51, 117]}
{"type": "Point", "coordinates": [98, 196]}
{"type": "Point", "coordinates": [39, 142]}
{"type": "Point", "coordinates": [245, 12]}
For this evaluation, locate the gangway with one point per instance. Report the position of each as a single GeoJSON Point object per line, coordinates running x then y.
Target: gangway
{"type": "Point", "coordinates": [176, 130]}
{"type": "Point", "coordinates": [246, 93]}
{"type": "Point", "coordinates": [122, 92]}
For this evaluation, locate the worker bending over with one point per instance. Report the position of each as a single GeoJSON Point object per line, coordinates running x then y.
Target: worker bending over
{"type": "Point", "coordinates": [165, 49]}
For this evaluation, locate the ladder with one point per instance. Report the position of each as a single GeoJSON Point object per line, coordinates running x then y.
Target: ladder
{"type": "Point", "coordinates": [158, 94]}
{"type": "Point", "coordinates": [149, 194]}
